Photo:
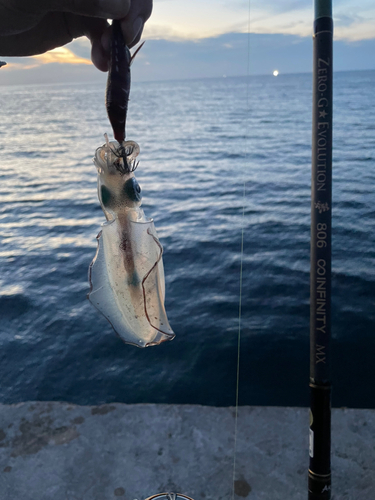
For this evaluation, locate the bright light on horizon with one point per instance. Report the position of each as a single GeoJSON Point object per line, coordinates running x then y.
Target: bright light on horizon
{"type": "Point", "coordinates": [275, 73]}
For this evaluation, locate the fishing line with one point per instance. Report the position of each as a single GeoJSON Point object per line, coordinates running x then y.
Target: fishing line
{"type": "Point", "coordinates": [242, 254]}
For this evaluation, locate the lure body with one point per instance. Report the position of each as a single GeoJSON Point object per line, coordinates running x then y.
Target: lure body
{"type": "Point", "coordinates": [127, 276]}
{"type": "Point", "coordinates": [118, 83]}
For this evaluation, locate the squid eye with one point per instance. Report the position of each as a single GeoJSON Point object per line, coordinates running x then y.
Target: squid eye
{"type": "Point", "coordinates": [132, 190]}
{"type": "Point", "coordinates": [106, 196]}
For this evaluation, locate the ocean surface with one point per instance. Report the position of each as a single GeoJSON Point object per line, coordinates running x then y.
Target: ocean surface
{"type": "Point", "coordinates": [200, 140]}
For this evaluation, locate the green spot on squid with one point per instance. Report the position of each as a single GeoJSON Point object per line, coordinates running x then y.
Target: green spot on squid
{"type": "Point", "coordinates": [106, 196]}
{"type": "Point", "coordinates": [132, 190]}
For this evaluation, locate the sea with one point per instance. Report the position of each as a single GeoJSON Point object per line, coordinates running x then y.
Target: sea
{"type": "Point", "coordinates": [220, 158]}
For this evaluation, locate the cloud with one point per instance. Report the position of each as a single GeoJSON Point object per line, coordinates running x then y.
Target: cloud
{"type": "Point", "coordinates": [17, 65]}
{"type": "Point", "coordinates": [269, 5]}
{"type": "Point", "coordinates": [355, 28]}
{"type": "Point", "coordinates": [81, 47]}
{"type": "Point", "coordinates": [201, 22]}
{"type": "Point", "coordinates": [210, 57]}
{"type": "Point", "coordinates": [199, 19]}
{"type": "Point", "coordinates": [228, 54]}
{"type": "Point", "coordinates": [61, 55]}
{"type": "Point", "coordinates": [61, 64]}
{"type": "Point", "coordinates": [51, 73]}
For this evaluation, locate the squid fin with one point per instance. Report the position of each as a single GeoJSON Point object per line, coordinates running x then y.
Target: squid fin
{"type": "Point", "coordinates": [131, 300]}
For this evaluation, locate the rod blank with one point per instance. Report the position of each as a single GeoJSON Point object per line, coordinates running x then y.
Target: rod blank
{"type": "Point", "coordinates": [320, 278]}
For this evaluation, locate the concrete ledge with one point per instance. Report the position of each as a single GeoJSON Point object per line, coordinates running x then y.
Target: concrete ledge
{"type": "Point", "coordinates": [65, 452]}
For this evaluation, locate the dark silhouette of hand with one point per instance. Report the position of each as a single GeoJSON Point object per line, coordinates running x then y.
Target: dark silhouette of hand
{"type": "Point", "coordinates": [30, 27]}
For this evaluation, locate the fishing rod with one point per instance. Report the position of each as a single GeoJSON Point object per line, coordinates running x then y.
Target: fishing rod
{"type": "Point", "coordinates": [319, 483]}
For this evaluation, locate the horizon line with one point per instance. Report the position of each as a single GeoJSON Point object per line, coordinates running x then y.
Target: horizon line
{"type": "Point", "coordinates": [222, 77]}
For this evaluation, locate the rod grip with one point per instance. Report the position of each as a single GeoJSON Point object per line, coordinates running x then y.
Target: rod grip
{"type": "Point", "coordinates": [319, 487]}
{"type": "Point", "coordinates": [320, 442]}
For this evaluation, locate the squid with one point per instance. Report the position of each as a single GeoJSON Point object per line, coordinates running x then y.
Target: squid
{"type": "Point", "coordinates": [126, 276]}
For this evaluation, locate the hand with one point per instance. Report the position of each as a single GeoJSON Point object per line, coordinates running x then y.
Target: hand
{"type": "Point", "coordinates": [29, 27]}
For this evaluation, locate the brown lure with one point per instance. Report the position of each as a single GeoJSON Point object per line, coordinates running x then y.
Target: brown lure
{"type": "Point", "coordinates": [118, 82]}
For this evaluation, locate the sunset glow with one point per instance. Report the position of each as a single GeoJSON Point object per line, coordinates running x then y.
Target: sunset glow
{"type": "Point", "coordinates": [60, 55]}
{"type": "Point", "coordinates": [205, 35]}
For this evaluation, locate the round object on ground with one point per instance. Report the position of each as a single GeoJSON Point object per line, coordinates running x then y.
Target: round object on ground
{"type": "Point", "coordinates": [169, 496]}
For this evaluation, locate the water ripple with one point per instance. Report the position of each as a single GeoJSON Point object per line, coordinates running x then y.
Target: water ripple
{"type": "Point", "coordinates": [195, 158]}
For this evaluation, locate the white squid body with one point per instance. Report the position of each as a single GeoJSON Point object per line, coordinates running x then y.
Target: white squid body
{"type": "Point", "coordinates": [127, 275]}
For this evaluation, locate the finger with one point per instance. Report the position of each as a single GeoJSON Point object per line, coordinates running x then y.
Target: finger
{"type": "Point", "coordinates": [99, 56]}
{"type": "Point", "coordinates": [132, 25]}
{"type": "Point", "coordinates": [100, 50]}
{"type": "Point", "coordinates": [105, 9]}
{"type": "Point", "coordinates": [136, 40]}
{"type": "Point", "coordinates": [132, 28]}
{"type": "Point", "coordinates": [93, 28]}
{"type": "Point", "coordinates": [106, 40]}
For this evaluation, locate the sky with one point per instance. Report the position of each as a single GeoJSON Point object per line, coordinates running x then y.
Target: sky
{"type": "Point", "coordinates": [209, 38]}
